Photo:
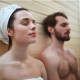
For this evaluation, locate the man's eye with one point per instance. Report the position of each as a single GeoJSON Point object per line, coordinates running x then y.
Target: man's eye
{"type": "Point", "coordinates": [63, 25]}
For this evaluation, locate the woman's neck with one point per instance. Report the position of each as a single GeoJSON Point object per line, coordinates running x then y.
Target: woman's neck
{"type": "Point", "coordinates": [18, 52]}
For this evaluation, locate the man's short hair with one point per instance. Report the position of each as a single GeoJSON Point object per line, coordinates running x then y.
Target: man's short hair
{"type": "Point", "coordinates": [51, 21]}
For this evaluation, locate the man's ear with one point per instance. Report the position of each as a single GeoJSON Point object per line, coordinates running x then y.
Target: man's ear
{"type": "Point", "coordinates": [50, 29]}
{"type": "Point", "coordinates": [10, 32]}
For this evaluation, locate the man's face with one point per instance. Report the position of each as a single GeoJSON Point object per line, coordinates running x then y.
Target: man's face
{"type": "Point", "coordinates": [62, 29]}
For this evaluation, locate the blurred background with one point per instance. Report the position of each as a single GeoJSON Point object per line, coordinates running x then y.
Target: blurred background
{"type": "Point", "coordinates": [40, 9]}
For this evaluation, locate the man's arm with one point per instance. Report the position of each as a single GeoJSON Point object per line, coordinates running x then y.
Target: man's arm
{"type": "Point", "coordinates": [51, 65]}
{"type": "Point", "coordinates": [77, 73]}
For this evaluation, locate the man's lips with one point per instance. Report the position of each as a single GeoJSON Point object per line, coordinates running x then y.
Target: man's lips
{"type": "Point", "coordinates": [67, 33]}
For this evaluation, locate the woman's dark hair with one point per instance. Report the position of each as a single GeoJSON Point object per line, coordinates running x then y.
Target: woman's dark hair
{"type": "Point", "coordinates": [10, 24]}
{"type": "Point", "coordinates": [51, 21]}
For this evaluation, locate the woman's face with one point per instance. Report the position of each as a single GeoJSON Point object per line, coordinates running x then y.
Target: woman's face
{"type": "Point", "coordinates": [24, 28]}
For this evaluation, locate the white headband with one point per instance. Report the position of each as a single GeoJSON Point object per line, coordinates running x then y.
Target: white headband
{"type": "Point", "coordinates": [4, 18]}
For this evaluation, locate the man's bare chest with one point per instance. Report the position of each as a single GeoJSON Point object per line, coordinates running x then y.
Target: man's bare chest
{"type": "Point", "coordinates": [67, 65]}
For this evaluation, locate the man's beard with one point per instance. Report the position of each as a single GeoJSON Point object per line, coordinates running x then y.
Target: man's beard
{"type": "Point", "coordinates": [59, 37]}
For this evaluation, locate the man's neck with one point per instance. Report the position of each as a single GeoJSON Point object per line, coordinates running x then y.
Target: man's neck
{"type": "Point", "coordinates": [57, 44]}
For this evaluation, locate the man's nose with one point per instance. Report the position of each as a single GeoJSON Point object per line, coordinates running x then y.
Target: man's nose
{"type": "Point", "coordinates": [68, 28]}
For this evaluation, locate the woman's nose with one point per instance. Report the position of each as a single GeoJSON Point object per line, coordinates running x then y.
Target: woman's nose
{"type": "Point", "coordinates": [33, 26]}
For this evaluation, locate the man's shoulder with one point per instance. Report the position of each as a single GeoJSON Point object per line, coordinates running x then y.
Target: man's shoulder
{"type": "Point", "coordinates": [49, 56]}
{"type": "Point", "coordinates": [71, 52]}
{"type": "Point", "coordinates": [36, 61]}
{"type": "Point", "coordinates": [68, 49]}
{"type": "Point", "coordinates": [48, 51]}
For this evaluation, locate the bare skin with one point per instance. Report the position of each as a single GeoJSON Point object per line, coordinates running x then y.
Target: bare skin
{"type": "Point", "coordinates": [16, 64]}
{"type": "Point", "coordinates": [17, 70]}
{"type": "Point", "coordinates": [60, 62]}
{"type": "Point", "coordinates": [60, 65]}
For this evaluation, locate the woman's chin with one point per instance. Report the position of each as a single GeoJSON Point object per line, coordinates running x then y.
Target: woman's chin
{"type": "Point", "coordinates": [33, 41]}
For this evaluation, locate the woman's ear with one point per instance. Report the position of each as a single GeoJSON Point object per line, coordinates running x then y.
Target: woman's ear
{"type": "Point", "coordinates": [50, 29]}
{"type": "Point", "coordinates": [10, 32]}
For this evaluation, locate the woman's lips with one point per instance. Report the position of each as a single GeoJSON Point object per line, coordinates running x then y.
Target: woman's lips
{"type": "Point", "coordinates": [33, 34]}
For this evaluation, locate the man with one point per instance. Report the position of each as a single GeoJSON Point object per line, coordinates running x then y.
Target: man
{"type": "Point", "coordinates": [60, 62]}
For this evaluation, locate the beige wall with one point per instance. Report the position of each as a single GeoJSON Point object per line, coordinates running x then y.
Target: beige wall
{"type": "Point", "coordinates": [79, 13]}
{"type": "Point", "coordinates": [40, 9]}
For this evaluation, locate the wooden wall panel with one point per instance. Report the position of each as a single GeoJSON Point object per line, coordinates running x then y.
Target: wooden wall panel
{"type": "Point", "coordinates": [41, 10]}
{"type": "Point", "coordinates": [3, 48]}
{"type": "Point", "coordinates": [75, 34]}
{"type": "Point", "coordinates": [74, 27]}
{"type": "Point", "coordinates": [58, 7]}
{"type": "Point", "coordinates": [33, 6]}
{"type": "Point", "coordinates": [68, 5]}
{"type": "Point", "coordinates": [75, 2]}
{"type": "Point", "coordinates": [2, 5]}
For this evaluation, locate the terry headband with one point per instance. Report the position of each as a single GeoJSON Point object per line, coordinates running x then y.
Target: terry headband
{"type": "Point", "coordinates": [4, 18]}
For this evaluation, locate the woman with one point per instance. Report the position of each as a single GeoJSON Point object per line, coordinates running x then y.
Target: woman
{"type": "Point", "coordinates": [18, 27]}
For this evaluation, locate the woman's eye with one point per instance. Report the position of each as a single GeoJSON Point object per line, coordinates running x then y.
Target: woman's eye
{"type": "Point", "coordinates": [25, 23]}
{"type": "Point", "coordinates": [34, 22]}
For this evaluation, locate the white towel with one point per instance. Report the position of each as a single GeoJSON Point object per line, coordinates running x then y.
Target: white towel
{"type": "Point", "coordinates": [4, 18]}
{"type": "Point", "coordinates": [39, 78]}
